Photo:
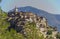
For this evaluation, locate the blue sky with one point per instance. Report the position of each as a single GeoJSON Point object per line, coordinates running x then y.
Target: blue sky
{"type": "Point", "coordinates": [51, 6]}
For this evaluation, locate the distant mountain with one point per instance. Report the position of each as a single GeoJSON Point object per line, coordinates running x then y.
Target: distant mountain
{"type": "Point", "coordinates": [57, 17]}
{"type": "Point", "coordinates": [53, 20]}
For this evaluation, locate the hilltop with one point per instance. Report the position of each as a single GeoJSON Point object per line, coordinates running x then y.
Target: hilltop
{"type": "Point", "coordinates": [30, 25]}
{"type": "Point", "coordinates": [25, 25]}
{"type": "Point", "coordinates": [52, 19]}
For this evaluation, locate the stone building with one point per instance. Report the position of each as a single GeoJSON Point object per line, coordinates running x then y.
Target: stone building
{"type": "Point", "coordinates": [20, 18]}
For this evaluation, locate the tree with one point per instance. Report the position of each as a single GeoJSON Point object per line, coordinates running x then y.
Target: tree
{"type": "Point", "coordinates": [4, 33]}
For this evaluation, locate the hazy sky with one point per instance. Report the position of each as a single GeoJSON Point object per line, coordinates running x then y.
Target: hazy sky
{"type": "Point", "coordinates": [51, 6]}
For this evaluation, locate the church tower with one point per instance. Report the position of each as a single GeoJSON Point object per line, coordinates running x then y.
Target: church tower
{"type": "Point", "coordinates": [16, 10]}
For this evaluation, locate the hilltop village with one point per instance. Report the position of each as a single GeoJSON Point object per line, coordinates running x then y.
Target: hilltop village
{"type": "Point", "coordinates": [18, 19]}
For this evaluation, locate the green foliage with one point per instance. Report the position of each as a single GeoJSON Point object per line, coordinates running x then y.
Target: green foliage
{"type": "Point", "coordinates": [11, 35]}
{"type": "Point", "coordinates": [49, 32]}
{"type": "Point", "coordinates": [4, 33]}
{"type": "Point", "coordinates": [58, 35]}
{"type": "Point", "coordinates": [31, 32]}
{"type": "Point", "coordinates": [3, 23]}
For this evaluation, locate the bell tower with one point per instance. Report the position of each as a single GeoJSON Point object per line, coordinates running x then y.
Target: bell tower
{"type": "Point", "coordinates": [16, 10]}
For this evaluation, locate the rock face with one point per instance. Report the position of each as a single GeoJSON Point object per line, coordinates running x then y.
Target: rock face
{"type": "Point", "coordinates": [18, 19]}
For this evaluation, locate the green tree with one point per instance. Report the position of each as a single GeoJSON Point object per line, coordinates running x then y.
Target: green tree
{"type": "Point", "coordinates": [4, 33]}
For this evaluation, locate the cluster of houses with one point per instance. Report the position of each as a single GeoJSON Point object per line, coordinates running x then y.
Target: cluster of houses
{"type": "Point", "coordinates": [20, 18]}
